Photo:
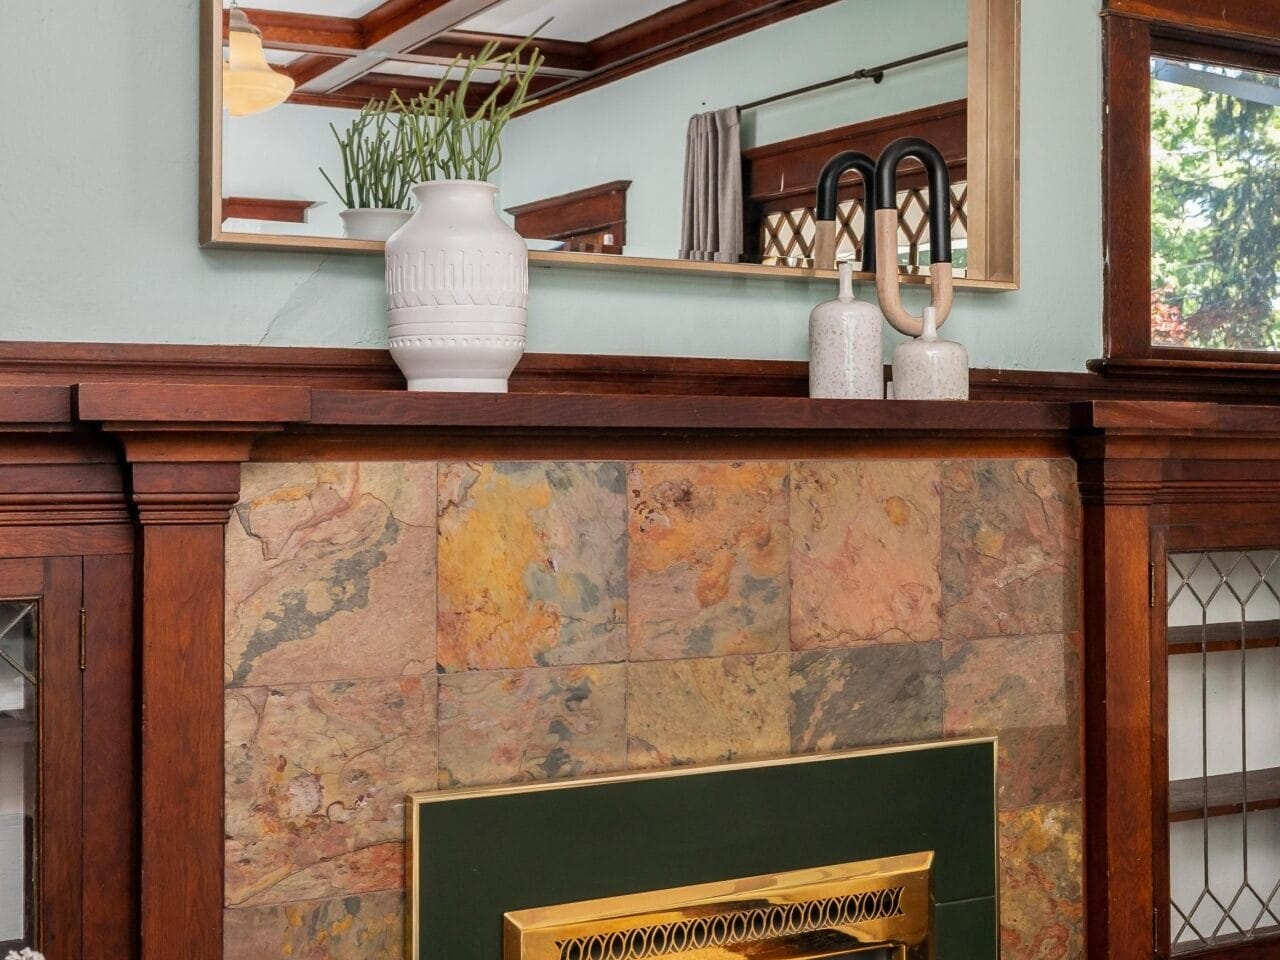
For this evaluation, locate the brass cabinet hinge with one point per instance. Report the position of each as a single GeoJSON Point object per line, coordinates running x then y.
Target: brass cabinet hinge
{"type": "Point", "coordinates": [1151, 585]}
{"type": "Point", "coordinates": [84, 641]}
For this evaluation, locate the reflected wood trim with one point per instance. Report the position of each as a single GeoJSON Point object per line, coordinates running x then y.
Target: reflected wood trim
{"type": "Point", "coordinates": [601, 209]}
{"type": "Point", "coordinates": [307, 67]}
{"type": "Point", "coordinates": [993, 169]}
{"type": "Point", "coordinates": [286, 30]}
{"type": "Point", "coordinates": [789, 169]}
{"type": "Point", "coordinates": [674, 32]}
{"type": "Point", "coordinates": [560, 56]}
{"type": "Point", "coordinates": [266, 208]}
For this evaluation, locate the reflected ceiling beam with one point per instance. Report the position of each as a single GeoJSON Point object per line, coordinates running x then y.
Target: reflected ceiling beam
{"type": "Point", "coordinates": [672, 33]}
{"type": "Point", "coordinates": [563, 57]}
{"type": "Point", "coordinates": [379, 86]}
{"type": "Point", "coordinates": [303, 31]}
{"type": "Point", "coordinates": [394, 27]}
{"type": "Point", "coordinates": [341, 51]}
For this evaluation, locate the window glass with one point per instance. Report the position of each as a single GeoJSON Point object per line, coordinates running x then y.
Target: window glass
{"type": "Point", "coordinates": [1215, 206]}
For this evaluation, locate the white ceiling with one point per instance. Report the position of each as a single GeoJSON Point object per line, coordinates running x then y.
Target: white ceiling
{"type": "Point", "coordinates": [579, 20]}
{"type": "Point", "coordinates": [325, 8]}
{"type": "Point", "coordinates": [280, 57]}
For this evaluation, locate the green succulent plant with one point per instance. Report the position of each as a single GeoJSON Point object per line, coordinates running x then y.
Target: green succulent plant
{"type": "Point", "coordinates": [373, 159]}
{"type": "Point", "coordinates": [393, 144]}
{"type": "Point", "coordinates": [446, 139]}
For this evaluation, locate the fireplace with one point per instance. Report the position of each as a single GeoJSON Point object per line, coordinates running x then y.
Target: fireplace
{"type": "Point", "coordinates": [871, 855]}
{"type": "Point", "coordinates": [874, 910]}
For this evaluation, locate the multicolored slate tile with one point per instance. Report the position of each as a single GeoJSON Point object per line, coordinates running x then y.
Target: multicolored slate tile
{"type": "Point", "coordinates": [501, 726]}
{"type": "Point", "coordinates": [865, 553]}
{"type": "Point", "coordinates": [1017, 688]}
{"type": "Point", "coordinates": [331, 572]}
{"type": "Point", "coordinates": [533, 565]}
{"type": "Point", "coordinates": [709, 558]}
{"type": "Point", "coordinates": [369, 926]}
{"type": "Point", "coordinates": [1041, 883]}
{"type": "Point", "coordinates": [866, 696]}
{"type": "Point", "coordinates": [316, 776]}
{"type": "Point", "coordinates": [1010, 537]}
{"type": "Point", "coordinates": [706, 711]}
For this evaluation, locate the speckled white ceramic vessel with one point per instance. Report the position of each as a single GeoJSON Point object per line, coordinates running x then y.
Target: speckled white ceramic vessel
{"type": "Point", "coordinates": [846, 346]}
{"type": "Point", "coordinates": [927, 368]}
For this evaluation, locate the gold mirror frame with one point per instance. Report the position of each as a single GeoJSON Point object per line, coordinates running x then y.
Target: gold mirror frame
{"type": "Point", "coordinates": [993, 227]}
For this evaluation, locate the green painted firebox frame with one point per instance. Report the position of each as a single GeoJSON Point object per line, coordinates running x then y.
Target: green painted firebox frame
{"type": "Point", "coordinates": [475, 854]}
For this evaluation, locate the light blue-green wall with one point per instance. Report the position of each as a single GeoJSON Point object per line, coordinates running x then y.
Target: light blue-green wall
{"type": "Point", "coordinates": [98, 217]}
{"type": "Point", "coordinates": [634, 129]}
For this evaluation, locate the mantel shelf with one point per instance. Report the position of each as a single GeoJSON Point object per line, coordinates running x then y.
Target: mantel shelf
{"type": "Point", "coordinates": [291, 406]}
{"type": "Point", "coordinates": [1226, 795]}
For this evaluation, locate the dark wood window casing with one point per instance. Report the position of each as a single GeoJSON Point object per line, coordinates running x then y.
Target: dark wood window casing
{"type": "Point", "coordinates": [1244, 33]}
{"type": "Point", "coordinates": [591, 220]}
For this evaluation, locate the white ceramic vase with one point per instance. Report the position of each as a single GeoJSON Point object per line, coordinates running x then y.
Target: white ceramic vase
{"type": "Point", "coordinates": [368, 223]}
{"type": "Point", "coordinates": [846, 345]}
{"type": "Point", "coordinates": [457, 290]}
{"type": "Point", "coordinates": [927, 368]}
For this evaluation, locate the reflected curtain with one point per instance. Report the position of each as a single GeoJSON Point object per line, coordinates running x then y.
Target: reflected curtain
{"type": "Point", "coordinates": [711, 227]}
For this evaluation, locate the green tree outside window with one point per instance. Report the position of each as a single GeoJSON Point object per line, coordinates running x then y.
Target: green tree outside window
{"type": "Point", "coordinates": [1215, 207]}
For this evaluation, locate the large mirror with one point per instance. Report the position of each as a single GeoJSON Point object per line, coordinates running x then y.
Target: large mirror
{"type": "Point", "coordinates": [667, 134]}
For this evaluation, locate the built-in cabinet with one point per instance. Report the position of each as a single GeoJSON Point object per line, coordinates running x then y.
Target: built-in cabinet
{"type": "Point", "coordinates": [68, 711]}
{"type": "Point", "coordinates": [1182, 594]}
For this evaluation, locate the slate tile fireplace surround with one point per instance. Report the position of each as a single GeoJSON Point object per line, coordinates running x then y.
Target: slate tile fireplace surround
{"type": "Point", "coordinates": [404, 626]}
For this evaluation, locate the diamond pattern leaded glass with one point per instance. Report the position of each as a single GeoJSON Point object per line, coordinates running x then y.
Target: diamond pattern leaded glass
{"type": "Point", "coordinates": [18, 773]}
{"type": "Point", "coordinates": [787, 236]}
{"type": "Point", "coordinates": [1224, 747]}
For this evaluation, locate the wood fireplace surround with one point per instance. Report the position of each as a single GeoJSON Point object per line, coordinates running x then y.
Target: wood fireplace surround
{"type": "Point", "coordinates": [157, 489]}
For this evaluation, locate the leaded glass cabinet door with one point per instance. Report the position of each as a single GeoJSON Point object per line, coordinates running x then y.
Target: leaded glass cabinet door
{"type": "Point", "coordinates": [40, 756]}
{"type": "Point", "coordinates": [1222, 609]}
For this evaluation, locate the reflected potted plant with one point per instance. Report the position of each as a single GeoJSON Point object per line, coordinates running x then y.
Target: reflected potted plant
{"type": "Point", "coordinates": [457, 273]}
{"type": "Point", "coordinates": [375, 173]}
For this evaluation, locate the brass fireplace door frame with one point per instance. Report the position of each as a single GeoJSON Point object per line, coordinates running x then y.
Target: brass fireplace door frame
{"type": "Point", "coordinates": [799, 915]}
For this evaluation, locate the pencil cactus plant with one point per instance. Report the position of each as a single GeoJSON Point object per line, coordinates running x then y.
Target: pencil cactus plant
{"type": "Point", "coordinates": [373, 160]}
{"type": "Point", "coordinates": [445, 137]}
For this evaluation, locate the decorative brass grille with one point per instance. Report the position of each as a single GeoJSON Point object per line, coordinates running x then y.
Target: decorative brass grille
{"type": "Point", "coordinates": [885, 906]}
{"type": "Point", "coordinates": [734, 927]}
{"type": "Point", "coordinates": [787, 236]}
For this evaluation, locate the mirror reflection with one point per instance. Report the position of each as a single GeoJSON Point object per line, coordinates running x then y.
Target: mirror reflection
{"type": "Point", "coordinates": [671, 129]}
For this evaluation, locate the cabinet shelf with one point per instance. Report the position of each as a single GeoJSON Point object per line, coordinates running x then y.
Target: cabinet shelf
{"type": "Point", "coordinates": [1220, 637]}
{"type": "Point", "coordinates": [1226, 794]}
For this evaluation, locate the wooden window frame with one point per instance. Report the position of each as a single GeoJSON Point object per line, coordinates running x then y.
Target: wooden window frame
{"type": "Point", "coordinates": [1236, 31]}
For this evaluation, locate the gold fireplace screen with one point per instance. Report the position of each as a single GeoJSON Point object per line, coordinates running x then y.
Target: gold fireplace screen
{"type": "Point", "coordinates": [871, 909]}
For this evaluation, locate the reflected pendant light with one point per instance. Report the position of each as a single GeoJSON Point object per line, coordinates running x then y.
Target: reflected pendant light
{"type": "Point", "coordinates": [249, 85]}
